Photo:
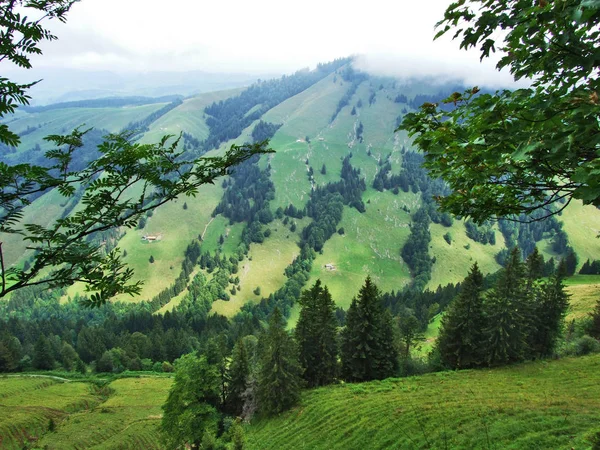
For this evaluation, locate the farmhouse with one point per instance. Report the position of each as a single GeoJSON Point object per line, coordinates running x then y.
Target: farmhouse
{"type": "Point", "coordinates": [152, 237]}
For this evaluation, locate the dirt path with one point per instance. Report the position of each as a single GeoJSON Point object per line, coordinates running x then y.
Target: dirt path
{"type": "Point", "coordinates": [206, 227]}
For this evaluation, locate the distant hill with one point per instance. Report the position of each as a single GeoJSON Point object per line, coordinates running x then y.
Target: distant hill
{"type": "Point", "coordinates": [316, 119]}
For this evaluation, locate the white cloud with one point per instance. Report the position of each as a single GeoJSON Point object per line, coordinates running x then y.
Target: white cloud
{"type": "Point", "coordinates": [260, 36]}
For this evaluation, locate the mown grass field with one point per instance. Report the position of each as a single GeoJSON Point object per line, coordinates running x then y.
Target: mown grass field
{"type": "Point", "coordinates": [585, 292]}
{"type": "Point", "coordinates": [28, 404]}
{"type": "Point", "coordinates": [128, 419]}
{"type": "Point", "coordinates": [542, 405]}
{"type": "Point", "coordinates": [83, 416]}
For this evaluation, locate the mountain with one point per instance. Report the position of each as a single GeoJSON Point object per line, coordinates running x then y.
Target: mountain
{"type": "Point", "coordinates": [65, 85]}
{"type": "Point", "coordinates": [319, 121]}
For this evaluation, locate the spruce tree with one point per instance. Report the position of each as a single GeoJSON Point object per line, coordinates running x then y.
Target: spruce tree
{"type": "Point", "coordinates": [316, 334]}
{"type": "Point", "coordinates": [280, 376]}
{"type": "Point", "coordinates": [43, 359]}
{"type": "Point", "coordinates": [508, 311]}
{"type": "Point", "coordinates": [239, 371]}
{"type": "Point", "coordinates": [368, 351]}
{"type": "Point", "coordinates": [550, 306]}
{"type": "Point", "coordinates": [594, 326]}
{"type": "Point", "coordinates": [535, 265]}
{"type": "Point", "coordinates": [461, 331]}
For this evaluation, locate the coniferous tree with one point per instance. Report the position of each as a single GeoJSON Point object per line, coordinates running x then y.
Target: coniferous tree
{"type": "Point", "coordinates": [571, 261]}
{"type": "Point", "coordinates": [280, 377]}
{"type": "Point", "coordinates": [461, 332]}
{"type": "Point", "coordinates": [43, 359]}
{"type": "Point", "coordinates": [549, 309]}
{"type": "Point", "coordinates": [316, 334]}
{"type": "Point", "coordinates": [508, 311]}
{"type": "Point", "coordinates": [594, 326]}
{"type": "Point", "coordinates": [535, 265]}
{"type": "Point", "coordinates": [368, 351]}
{"type": "Point", "coordinates": [239, 371]}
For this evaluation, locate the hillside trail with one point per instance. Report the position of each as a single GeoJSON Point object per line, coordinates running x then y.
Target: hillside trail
{"type": "Point", "coordinates": [206, 227]}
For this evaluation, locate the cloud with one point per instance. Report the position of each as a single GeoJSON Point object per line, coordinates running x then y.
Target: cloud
{"type": "Point", "coordinates": [261, 36]}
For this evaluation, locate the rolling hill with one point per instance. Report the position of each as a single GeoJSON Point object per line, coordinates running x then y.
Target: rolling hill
{"type": "Point", "coordinates": [340, 114]}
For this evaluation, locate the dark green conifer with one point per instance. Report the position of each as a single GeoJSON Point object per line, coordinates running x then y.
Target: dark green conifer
{"type": "Point", "coordinates": [550, 306]}
{"type": "Point", "coordinates": [239, 371]}
{"type": "Point", "coordinates": [368, 351]}
{"type": "Point", "coordinates": [508, 311]}
{"type": "Point", "coordinates": [43, 359]}
{"type": "Point", "coordinates": [280, 376]}
{"type": "Point", "coordinates": [316, 334]}
{"type": "Point", "coordinates": [461, 331]}
{"type": "Point", "coordinates": [535, 265]}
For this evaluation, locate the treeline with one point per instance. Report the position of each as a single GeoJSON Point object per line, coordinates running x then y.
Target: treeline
{"type": "Point", "coordinates": [246, 199]}
{"type": "Point", "coordinates": [326, 205]}
{"type": "Point", "coordinates": [353, 77]}
{"type": "Point", "coordinates": [141, 126]}
{"type": "Point", "coordinates": [228, 118]}
{"type": "Point", "coordinates": [264, 130]}
{"type": "Point", "coordinates": [520, 318]}
{"type": "Point", "coordinates": [484, 233]}
{"type": "Point", "coordinates": [112, 102]}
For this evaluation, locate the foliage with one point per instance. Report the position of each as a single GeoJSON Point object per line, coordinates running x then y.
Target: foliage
{"type": "Point", "coordinates": [316, 334]}
{"type": "Point", "coordinates": [368, 351]}
{"type": "Point", "coordinates": [519, 151]}
{"type": "Point", "coordinates": [191, 407]}
{"type": "Point", "coordinates": [279, 379]}
{"type": "Point", "coordinates": [155, 171]}
{"type": "Point", "coordinates": [461, 332]}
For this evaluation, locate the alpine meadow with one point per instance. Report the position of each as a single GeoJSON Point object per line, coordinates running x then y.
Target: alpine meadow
{"type": "Point", "coordinates": [201, 248]}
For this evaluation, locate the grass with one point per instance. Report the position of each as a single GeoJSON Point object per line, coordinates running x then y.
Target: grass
{"type": "Point", "coordinates": [27, 405]}
{"type": "Point", "coordinates": [585, 292]}
{"type": "Point", "coordinates": [264, 267]}
{"type": "Point", "coordinates": [128, 419]}
{"type": "Point", "coordinates": [179, 227]}
{"type": "Point", "coordinates": [538, 405]}
{"type": "Point", "coordinates": [582, 225]}
{"type": "Point", "coordinates": [454, 260]}
{"type": "Point", "coordinates": [370, 246]}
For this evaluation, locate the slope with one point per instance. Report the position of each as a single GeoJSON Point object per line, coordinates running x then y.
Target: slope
{"type": "Point", "coordinates": [544, 404]}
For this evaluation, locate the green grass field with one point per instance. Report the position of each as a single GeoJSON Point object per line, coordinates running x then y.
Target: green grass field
{"type": "Point", "coordinates": [542, 405]}
{"type": "Point", "coordinates": [128, 419]}
{"type": "Point", "coordinates": [28, 404]}
{"type": "Point", "coordinates": [454, 260]}
{"type": "Point", "coordinates": [264, 267]}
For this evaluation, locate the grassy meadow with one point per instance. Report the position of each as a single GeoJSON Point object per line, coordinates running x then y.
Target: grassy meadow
{"type": "Point", "coordinates": [125, 414]}
{"type": "Point", "coordinates": [546, 404]}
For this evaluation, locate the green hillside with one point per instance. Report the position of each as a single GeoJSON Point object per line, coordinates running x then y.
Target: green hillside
{"type": "Point", "coordinates": [547, 404]}
{"type": "Point", "coordinates": [315, 135]}
{"type": "Point", "coordinates": [530, 406]}
{"type": "Point", "coordinates": [124, 414]}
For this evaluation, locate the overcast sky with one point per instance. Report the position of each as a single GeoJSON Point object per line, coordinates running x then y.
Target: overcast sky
{"type": "Point", "coordinates": [261, 36]}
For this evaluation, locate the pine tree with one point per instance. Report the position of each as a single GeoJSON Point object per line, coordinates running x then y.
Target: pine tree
{"type": "Point", "coordinates": [368, 351]}
{"type": "Point", "coordinates": [43, 359]}
{"type": "Point", "coordinates": [239, 371]}
{"type": "Point", "coordinates": [535, 265]}
{"type": "Point", "coordinates": [550, 307]}
{"type": "Point", "coordinates": [571, 261]}
{"type": "Point", "coordinates": [279, 380]}
{"type": "Point", "coordinates": [594, 326]}
{"type": "Point", "coordinates": [508, 311]}
{"type": "Point", "coordinates": [461, 331]}
{"type": "Point", "coordinates": [316, 334]}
